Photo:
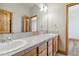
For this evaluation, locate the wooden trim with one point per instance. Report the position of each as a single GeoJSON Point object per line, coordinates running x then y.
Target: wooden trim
{"type": "Point", "coordinates": [30, 24]}
{"type": "Point", "coordinates": [66, 29]}
{"type": "Point", "coordinates": [25, 24]}
{"type": "Point", "coordinates": [33, 16]}
{"type": "Point", "coordinates": [47, 49]}
{"type": "Point", "coordinates": [58, 41]}
{"type": "Point", "coordinates": [11, 20]}
{"type": "Point", "coordinates": [67, 6]}
{"type": "Point", "coordinates": [37, 51]}
{"type": "Point", "coordinates": [71, 4]}
{"type": "Point", "coordinates": [5, 11]}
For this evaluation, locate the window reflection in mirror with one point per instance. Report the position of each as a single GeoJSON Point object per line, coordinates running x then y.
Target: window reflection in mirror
{"type": "Point", "coordinates": [34, 24]}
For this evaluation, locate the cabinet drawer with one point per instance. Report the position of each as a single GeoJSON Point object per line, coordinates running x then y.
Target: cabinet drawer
{"type": "Point", "coordinates": [43, 53]}
{"type": "Point", "coordinates": [31, 53]}
{"type": "Point", "coordinates": [42, 47]}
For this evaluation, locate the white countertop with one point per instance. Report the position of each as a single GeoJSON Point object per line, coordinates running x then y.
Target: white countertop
{"type": "Point", "coordinates": [33, 40]}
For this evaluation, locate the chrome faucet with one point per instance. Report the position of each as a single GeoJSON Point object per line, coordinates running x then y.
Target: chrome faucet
{"type": "Point", "coordinates": [9, 38]}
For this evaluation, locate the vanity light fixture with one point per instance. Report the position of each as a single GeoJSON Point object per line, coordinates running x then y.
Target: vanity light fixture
{"type": "Point", "coordinates": [43, 7]}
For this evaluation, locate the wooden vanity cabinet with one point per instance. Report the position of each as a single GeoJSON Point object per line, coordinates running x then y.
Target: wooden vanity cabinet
{"type": "Point", "coordinates": [33, 52]}
{"type": "Point", "coordinates": [38, 51]}
{"type": "Point", "coordinates": [55, 45]}
{"type": "Point", "coordinates": [42, 50]}
{"type": "Point", "coordinates": [48, 48]}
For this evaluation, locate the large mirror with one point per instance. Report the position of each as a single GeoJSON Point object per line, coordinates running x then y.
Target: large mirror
{"type": "Point", "coordinates": [23, 17]}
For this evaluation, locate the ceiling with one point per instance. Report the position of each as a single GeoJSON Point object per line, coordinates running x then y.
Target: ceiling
{"type": "Point", "coordinates": [30, 5]}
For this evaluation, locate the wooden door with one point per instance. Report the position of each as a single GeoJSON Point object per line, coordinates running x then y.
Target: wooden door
{"type": "Point", "coordinates": [5, 21]}
{"type": "Point", "coordinates": [25, 24]}
{"type": "Point", "coordinates": [30, 24]}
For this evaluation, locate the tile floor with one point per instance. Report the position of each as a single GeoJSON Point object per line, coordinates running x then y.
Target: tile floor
{"type": "Point", "coordinates": [73, 48]}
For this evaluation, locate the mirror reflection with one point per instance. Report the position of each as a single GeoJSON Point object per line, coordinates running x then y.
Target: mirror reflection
{"type": "Point", "coordinates": [30, 24]}
{"type": "Point", "coordinates": [23, 17]}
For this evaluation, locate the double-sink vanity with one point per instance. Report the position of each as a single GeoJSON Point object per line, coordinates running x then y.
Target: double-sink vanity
{"type": "Point", "coordinates": [26, 43]}
{"type": "Point", "coordinates": [37, 45]}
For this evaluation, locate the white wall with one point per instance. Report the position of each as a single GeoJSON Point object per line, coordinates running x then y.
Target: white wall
{"type": "Point", "coordinates": [74, 21]}
{"type": "Point", "coordinates": [18, 11]}
{"type": "Point", "coordinates": [57, 21]}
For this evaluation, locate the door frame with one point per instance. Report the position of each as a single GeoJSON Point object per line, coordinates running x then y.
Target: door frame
{"type": "Point", "coordinates": [31, 23]}
{"type": "Point", "coordinates": [67, 6]}
{"type": "Point", "coordinates": [25, 23]}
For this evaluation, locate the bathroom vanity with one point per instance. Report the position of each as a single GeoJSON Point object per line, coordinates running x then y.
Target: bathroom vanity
{"type": "Point", "coordinates": [47, 47]}
{"type": "Point", "coordinates": [28, 33]}
{"type": "Point", "coordinates": [36, 45]}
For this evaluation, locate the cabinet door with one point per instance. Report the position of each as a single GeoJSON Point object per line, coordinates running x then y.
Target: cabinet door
{"type": "Point", "coordinates": [33, 52]}
{"type": "Point", "coordinates": [56, 42]}
{"type": "Point", "coordinates": [5, 21]}
{"type": "Point", "coordinates": [55, 45]}
{"type": "Point", "coordinates": [42, 50]}
{"type": "Point", "coordinates": [50, 48]}
{"type": "Point", "coordinates": [43, 53]}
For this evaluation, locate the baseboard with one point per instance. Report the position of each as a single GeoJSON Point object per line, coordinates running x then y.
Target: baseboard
{"type": "Point", "coordinates": [63, 52]}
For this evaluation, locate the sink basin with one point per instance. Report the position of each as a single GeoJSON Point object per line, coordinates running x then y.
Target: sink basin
{"type": "Point", "coordinates": [11, 46]}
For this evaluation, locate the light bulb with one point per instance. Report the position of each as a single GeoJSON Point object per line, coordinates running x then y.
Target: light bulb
{"type": "Point", "coordinates": [45, 8]}
{"type": "Point", "coordinates": [41, 9]}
